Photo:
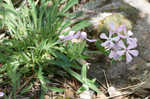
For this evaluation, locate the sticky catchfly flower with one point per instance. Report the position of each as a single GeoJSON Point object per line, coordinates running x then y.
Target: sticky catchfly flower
{"type": "Point", "coordinates": [79, 35]}
{"type": "Point", "coordinates": [70, 36]}
{"type": "Point", "coordinates": [113, 53]}
{"type": "Point", "coordinates": [129, 39]}
{"type": "Point", "coordinates": [126, 34]}
{"type": "Point", "coordinates": [128, 51]}
{"type": "Point", "coordinates": [109, 43]}
{"type": "Point", "coordinates": [83, 36]}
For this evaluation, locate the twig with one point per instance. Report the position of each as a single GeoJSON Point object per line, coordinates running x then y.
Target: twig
{"type": "Point", "coordinates": [102, 84]}
{"type": "Point", "coordinates": [107, 84]}
{"type": "Point", "coordinates": [26, 82]}
{"type": "Point", "coordinates": [121, 95]}
{"type": "Point", "coordinates": [131, 86]}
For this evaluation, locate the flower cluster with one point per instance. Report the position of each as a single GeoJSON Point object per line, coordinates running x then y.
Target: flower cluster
{"type": "Point", "coordinates": [76, 35]}
{"type": "Point", "coordinates": [120, 42]}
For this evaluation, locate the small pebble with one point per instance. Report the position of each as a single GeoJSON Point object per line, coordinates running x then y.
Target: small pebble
{"type": "Point", "coordinates": [46, 97]}
{"type": "Point", "coordinates": [86, 94]}
{"type": "Point", "coordinates": [148, 64]}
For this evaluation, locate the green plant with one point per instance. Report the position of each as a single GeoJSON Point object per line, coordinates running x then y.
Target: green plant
{"type": "Point", "coordinates": [33, 45]}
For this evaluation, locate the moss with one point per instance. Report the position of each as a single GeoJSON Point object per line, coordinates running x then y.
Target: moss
{"type": "Point", "coordinates": [130, 12]}
{"type": "Point", "coordinates": [117, 19]}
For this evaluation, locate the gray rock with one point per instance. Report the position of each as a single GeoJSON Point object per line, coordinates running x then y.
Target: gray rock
{"type": "Point", "coordinates": [121, 74]}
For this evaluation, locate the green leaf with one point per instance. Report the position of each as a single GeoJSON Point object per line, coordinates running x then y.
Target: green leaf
{"type": "Point", "coordinates": [56, 89]}
{"type": "Point", "coordinates": [69, 5]}
{"type": "Point", "coordinates": [80, 90]}
{"type": "Point", "coordinates": [101, 48]}
{"type": "Point", "coordinates": [26, 89]}
{"type": "Point", "coordinates": [41, 78]}
{"type": "Point", "coordinates": [61, 56]}
{"type": "Point", "coordinates": [33, 12]}
{"type": "Point", "coordinates": [83, 72]}
{"type": "Point", "coordinates": [88, 82]}
{"type": "Point", "coordinates": [81, 25]}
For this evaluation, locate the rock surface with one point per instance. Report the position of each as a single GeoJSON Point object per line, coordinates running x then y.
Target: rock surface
{"type": "Point", "coordinates": [121, 74]}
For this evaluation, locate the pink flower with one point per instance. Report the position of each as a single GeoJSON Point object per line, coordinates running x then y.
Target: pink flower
{"type": "Point", "coordinates": [127, 35]}
{"type": "Point", "coordinates": [112, 28]}
{"type": "Point", "coordinates": [113, 53]}
{"type": "Point", "coordinates": [120, 29]}
{"type": "Point", "coordinates": [72, 35]}
{"type": "Point", "coordinates": [129, 39]}
{"type": "Point", "coordinates": [68, 37]}
{"type": "Point", "coordinates": [109, 40]}
{"type": "Point", "coordinates": [83, 36]}
{"type": "Point", "coordinates": [128, 51]}
{"type": "Point", "coordinates": [115, 44]}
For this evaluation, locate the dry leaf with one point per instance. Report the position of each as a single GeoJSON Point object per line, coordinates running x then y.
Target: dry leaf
{"type": "Point", "coordinates": [69, 93]}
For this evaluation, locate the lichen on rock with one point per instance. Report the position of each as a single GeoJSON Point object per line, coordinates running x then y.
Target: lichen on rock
{"type": "Point", "coordinates": [103, 20]}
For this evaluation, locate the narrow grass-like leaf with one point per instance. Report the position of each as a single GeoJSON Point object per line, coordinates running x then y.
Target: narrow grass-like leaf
{"type": "Point", "coordinates": [88, 82]}
{"type": "Point", "coordinates": [83, 72]}
{"type": "Point", "coordinates": [56, 89]}
{"type": "Point", "coordinates": [81, 25]}
{"type": "Point", "coordinates": [41, 78]}
{"type": "Point", "coordinates": [69, 5]}
{"type": "Point", "coordinates": [26, 89]}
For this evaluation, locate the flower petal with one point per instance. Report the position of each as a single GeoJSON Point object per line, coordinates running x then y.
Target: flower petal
{"type": "Point", "coordinates": [131, 40]}
{"type": "Point", "coordinates": [113, 55]}
{"type": "Point", "coordinates": [132, 45]}
{"type": "Point", "coordinates": [91, 40]}
{"type": "Point", "coordinates": [110, 34]}
{"type": "Point", "coordinates": [121, 52]}
{"type": "Point", "coordinates": [71, 32]}
{"type": "Point", "coordinates": [124, 29]}
{"type": "Point", "coordinates": [83, 35]}
{"type": "Point", "coordinates": [116, 47]}
{"type": "Point", "coordinates": [103, 36]}
{"type": "Point", "coordinates": [112, 26]}
{"type": "Point", "coordinates": [121, 44]}
{"type": "Point", "coordinates": [128, 57]}
{"type": "Point", "coordinates": [111, 44]}
{"type": "Point", "coordinates": [68, 37]}
{"type": "Point", "coordinates": [61, 36]}
{"type": "Point", "coordinates": [134, 52]}
{"type": "Point", "coordinates": [104, 44]}
{"type": "Point", "coordinates": [77, 35]}
{"type": "Point", "coordinates": [107, 44]}
{"type": "Point", "coordinates": [121, 28]}
{"type": "Point", "coordinates": [116, 38]}
{"type": "Point", "coordinates": [121, 36]}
